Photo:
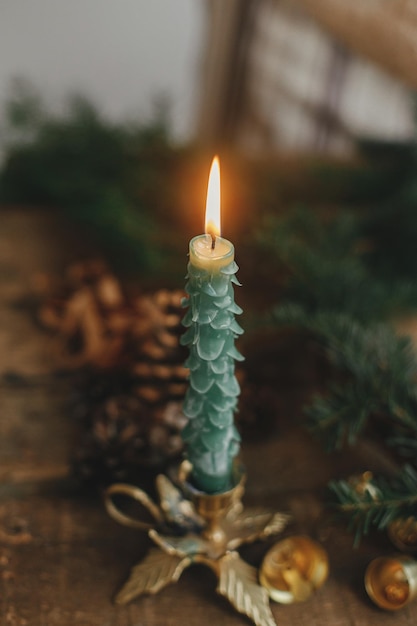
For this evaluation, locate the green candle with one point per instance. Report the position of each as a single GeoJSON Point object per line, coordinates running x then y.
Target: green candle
{"type": "Point", "coordinates": [210, 436]}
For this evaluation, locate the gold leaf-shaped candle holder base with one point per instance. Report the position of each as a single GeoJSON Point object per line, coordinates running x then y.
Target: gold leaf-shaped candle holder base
{"type": "Point", "coordinates": [194, 527]}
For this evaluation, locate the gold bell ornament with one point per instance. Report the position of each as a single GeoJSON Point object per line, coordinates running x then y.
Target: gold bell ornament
{"type": "Point", "coordinates": [403, 534]}
{"type": "Point", "coordinates": [293, 569]}
{"type": "Point", "coordinates": [391, 582]}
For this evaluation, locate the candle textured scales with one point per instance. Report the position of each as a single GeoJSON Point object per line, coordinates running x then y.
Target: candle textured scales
{"type": "Point", "coordinates": [211, 437]}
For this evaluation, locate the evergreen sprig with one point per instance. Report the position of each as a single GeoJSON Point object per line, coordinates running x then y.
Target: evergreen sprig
{"type": "Point", "coordinates": [346, 276]}
{"type": "Point", "coordinates": [380, 503]}
{"type": "Point", "coordinates": [329, 267]}
{"type": "Point", "coordinates": [97, 171]}
{"type": "Point", "coordinates": [378, 370]}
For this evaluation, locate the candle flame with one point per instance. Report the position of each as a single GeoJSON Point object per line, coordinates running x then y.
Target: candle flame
{"type": "Point", "coordinates": [213, 201]}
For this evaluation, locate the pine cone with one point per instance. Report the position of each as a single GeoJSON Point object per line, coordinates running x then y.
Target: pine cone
{"type": "Point", "coordinates": [100, 326]}
{"type": "Point", "coordinates": [158, 364]}
{"type": "Point", "coordinates": [129, 375]}
{"type": "Point", "coordinates": [121, 434]}
{"type": "Point", "coordinates": [91, 316]}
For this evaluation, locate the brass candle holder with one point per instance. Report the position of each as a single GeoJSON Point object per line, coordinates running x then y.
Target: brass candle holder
{"type": "Point", "coordinates": [195, 527]}
{"type": "Point", "coordinates": [391, 582]}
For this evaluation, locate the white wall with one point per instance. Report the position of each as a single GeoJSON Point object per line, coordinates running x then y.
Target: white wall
{"type": "Point", "coordinates": [121, 53]}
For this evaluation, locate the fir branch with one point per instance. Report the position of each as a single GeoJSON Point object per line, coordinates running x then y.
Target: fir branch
{"type": "Point", "coordinates": [99, 172]}
{"type": "Point", "coordinates": [379, 371]}
{"type": "Point", "coordinates": [346, 277]}
{"type": "Point", "coordinates": [382, 502]}
{"type": "Point", "coordinates": [406, 446]}
{"type": "Point", "coordinates": [331, 267]}
{"type": "Point", "coordinates": [340, 416]}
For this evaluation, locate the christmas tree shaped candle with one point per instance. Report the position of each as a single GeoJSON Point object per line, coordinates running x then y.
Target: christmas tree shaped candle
{"type": "Point", "coordinates": [210, 436]}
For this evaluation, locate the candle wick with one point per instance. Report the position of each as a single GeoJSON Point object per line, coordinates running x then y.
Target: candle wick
{"type": "Point", "coordinates": [213, 241]}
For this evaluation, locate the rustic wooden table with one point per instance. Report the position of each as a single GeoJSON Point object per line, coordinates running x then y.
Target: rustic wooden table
{"type": "Point", "coordinates": [62, 558]}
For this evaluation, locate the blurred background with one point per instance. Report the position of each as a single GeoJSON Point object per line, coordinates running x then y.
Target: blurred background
{"type": "Point", "coordinates": [271, 74]}
{"type": "Point", "coordinates": [306, 75]}
{"type": "Point", "coordinates": [110, 113]}
{"type": "Point", "coordinates": [123, 57]}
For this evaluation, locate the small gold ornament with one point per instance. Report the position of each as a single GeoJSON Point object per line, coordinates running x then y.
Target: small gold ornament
{"type": "Point", "coordinates": [293, 568]}
{"type": "Point", "coordinates": [194, 527]}
{"type": "Point", "coordinates": [403, 534]}
{"type": "Point", "coordinates": [364, 487]}
{"type": "Point", "coordinates": [391, 582]}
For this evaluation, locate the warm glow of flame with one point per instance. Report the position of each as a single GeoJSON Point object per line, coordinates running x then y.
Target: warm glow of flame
{"type": "Point", "coordinates": [213, 200]}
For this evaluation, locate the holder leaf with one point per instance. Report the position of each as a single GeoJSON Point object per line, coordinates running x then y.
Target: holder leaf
{"type": "Point", "coordinates": [157, 570]}
{"type": "Point", "coordinates": [238, 583]}
{"type": "Point", "coordinates": [254, 524]}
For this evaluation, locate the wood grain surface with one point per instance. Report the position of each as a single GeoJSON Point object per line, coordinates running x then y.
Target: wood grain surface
{"type": "Point", "coordinates": [62, 559]}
